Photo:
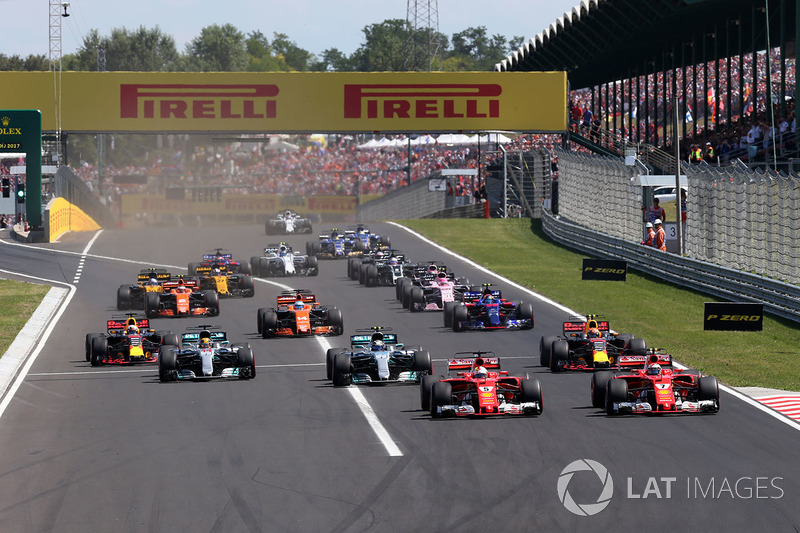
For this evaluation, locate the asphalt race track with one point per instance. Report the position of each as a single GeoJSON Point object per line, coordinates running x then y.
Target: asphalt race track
{"type": "Point", "coordinates": [113, 449]}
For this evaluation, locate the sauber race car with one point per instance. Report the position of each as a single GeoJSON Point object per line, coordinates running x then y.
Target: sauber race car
{"type": "Point", "coordinates": [149, 280]}
{"type": "Point", "coordinates": [280, 260]}
{"type": "Point", "coordinates": [587, 344]}
{"type": "Point", "coordinates": [479, 388]}
{"type": "Point", "coordinates": [286, 223]}
{"type": "Point", "coordinates": [336, 245]}
{"type": "Point", "coordinates": [181, 298]}
{"type": "Point", "coordinates": [376, 357]}
{"type": "Point", "coordinates": [371, 241]}
{"type": "Point", "coordinates": [488, 310]}
{"type": "Point", "coordinates": [219, 257]}
{"type": "Point", "coordinates": [297, 314]}
{"type": "Point", "coordinates": [651, 384]}
{"type": "Point", "coordinates": [128, 340]}
{"type": "Point", "coordinates": [431, 288]}
{"type": "Point", "coordinates": [217, 277]}
{"type": "Point", "coordinates": [205, 355]}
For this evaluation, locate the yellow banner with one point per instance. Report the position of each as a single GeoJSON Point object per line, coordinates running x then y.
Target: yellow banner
{"type": "Point", "coordinates": [66, 217]}
{"type": "Point", "coordinates": [235, 204]}
{"type": "Point", "coordinates": [293, 102]}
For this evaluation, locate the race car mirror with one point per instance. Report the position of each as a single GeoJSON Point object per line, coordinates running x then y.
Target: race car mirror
{"type": "Point", "coordinates": [604, 269]}
{"type": "Point", "coordinates": [733, 316]}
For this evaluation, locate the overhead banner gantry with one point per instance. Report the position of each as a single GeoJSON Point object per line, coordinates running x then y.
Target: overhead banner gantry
{"type": "Point", "coordinates": [295, 102]}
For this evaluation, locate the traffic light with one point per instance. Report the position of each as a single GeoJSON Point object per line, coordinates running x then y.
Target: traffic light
{"type": "Point", "coordinates": [20, 193]}
{"type": "Point", "coordinates": [6, 188]}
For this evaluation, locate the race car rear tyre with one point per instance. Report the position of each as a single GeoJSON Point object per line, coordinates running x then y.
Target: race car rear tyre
{"type": "Point", "coordinates": [172, 338]}
{"type": "Point", "coordinates": [448, 314]}
{"type": "Point", "coordinates": [422, 361]}
{"type": "Point", "coordinates": [255, 263]}
{"type": "Point", "coordinates": [329, 355]}
{"type": "Point", "coordinates": [460, 315]}
{"type": "Point", "coordinates": [441, 394]}
{"type": "Point", "coordinates": [371, 279]}
{"type": "Point", "coordinates": [416, 299]}
{"type": "Point", "coordinates": [425, 385]}
{"type": "Point", "coordinates": [637, 346]}
{"type": "Point", "coordinates": [313, 265]}
{"type": "Point", "coordinates": [546, 350]}
{"type": "Point", "coordinates": [342, 375]}
{"type": "Point", "coordinates": [398, 287]}
{"type": "Point", "coordinates": [124, 298]}
{"type": "Point", "coordinates": [211, 299]}
{"type": "Point", "coordinates": [99, 350]}
{"type": "Point", "coordinates": [358, 245]}
{"type": "Point", "coordinates": [525, 312]}
{"type": "Point", "coordinates": [316, 248]}
{"type": "Point", "coordinates": [383, 239]}
{"type": "Point", "coordinates": [269, 323]}
{"type": "Point", "coordinates": [151, 303]}
{"type": "Point", "coordinates": [708, 389]}
{"type": "Point", "coordinates": [263, 267]}
{"type": "Point", "coordinates": [599, 383]}
{"type": "Point", "coordinates": [247, 286]}
{"type": "Point", "coordinates": [406, 298]}
{"type": "Point", "coordinates": [167, 363]}
{"type": "Point", "coordinates": [531, 391]}
{"type": "Point", "coordinates": [350, 262]}
{"type": "Point", "coordinates": [245, 269]}
{"type": "Point", "coordinates": [260, 318]}
{"type": "Point", "coordinates": [559, 352]}
{"type": "Point", "coordinates": [246, 362]}
{"type": "Point", "coordinates": [624, 339]}
{"type": "Point", "coordinates": [336, 320]}
{"type": "Point", "coordinates": [89, 337]}
{"type": "Point", "coordinates": [616, 392]}
{"type": "Point", "coordinates": [193, 268]}
{"type": "Point", "coordinates": [362, 273]}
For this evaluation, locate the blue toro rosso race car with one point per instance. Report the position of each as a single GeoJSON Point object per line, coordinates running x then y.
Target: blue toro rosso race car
{"type": "Point", "coordinates": [488, 310]}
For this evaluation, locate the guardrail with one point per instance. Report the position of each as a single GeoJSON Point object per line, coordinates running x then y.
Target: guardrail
{"type": "Point", "coordinates": [778, 298]}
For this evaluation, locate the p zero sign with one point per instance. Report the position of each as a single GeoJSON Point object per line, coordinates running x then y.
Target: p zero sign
{"type": "Point", "coordinates": [604, 269]}
{"type": "Point", "coordinates": [733, 316]}
{"type": "Point", "coordinates": [294, 101]}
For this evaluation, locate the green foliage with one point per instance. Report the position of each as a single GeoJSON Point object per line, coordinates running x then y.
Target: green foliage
{"type": "Point", "coordinates": [20, 300]}
{"type": "Point", "coordinates": [384, 49]}
{"type": "Point", "coordinates": [218, 49]}
{"type": "Point", "coordinates": [31, 63]}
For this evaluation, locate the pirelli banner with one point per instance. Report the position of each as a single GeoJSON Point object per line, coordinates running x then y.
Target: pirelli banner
{"type": "Point", "coordinates": [733, 316]}
{"type": "Point", "coordinates": [604, 269]}
{"type": "Point", "coordinates": [293, 101]}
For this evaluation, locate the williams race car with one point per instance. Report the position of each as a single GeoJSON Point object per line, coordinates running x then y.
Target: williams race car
{"type": "Point", "coordinates": [205, 355]}
{"type": "Point", "coordinates": [298, 314]}
{"type": "Point", "coordinates": [181, 298]}
{"type": "Point", "coordinates": [488, 310]}
{"type": "Point", "coordinates": [588, 344]}
{"type": "Point", "coordinates": [652, 385]}
{"type": "Point", "coordinates": [287, 223]}
{"type": "Point", "coordinates": [149, 280]}
{"type": "Point", "coordinates": [128, 340]}
{"type": "Point", "coordinates": [376, 357]}
{"type": "Point", "coordinates": [280, 260]}
{"type": "Point", "coordinates": [479, 388]}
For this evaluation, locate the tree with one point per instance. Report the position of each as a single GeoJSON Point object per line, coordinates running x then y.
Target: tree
{"type": "Point", "coordinates": [384, 49]}
{"type": "Point", "coordinates": [261, 56]}
{"type": "Point", "coordinates": [332, 60]}
{"type": "Point", "coordinates": [30, 63]}
{"type": "Point", "coordinates": [294, 56]}
{"type": "Point", "coordinates": [218, 49]}
{"type": "Point", "coordinates": [140, 50]}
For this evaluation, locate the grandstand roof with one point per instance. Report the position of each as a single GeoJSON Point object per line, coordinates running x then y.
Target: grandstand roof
{"type": "Point", "coordinates": [604, 40]}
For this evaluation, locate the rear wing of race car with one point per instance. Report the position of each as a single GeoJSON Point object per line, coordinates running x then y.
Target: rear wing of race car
{"type": "Point", "coordinates": [641, 361]}
{"type": "Point", "coordinates": [474, 296]}
{"type": "Point", "coordinates": [190, 283]}
{"type": "Point", "coordinates": [206, 269]}
{"type": "Point", "coordinates": [214, 257]}
{"type": "Point", "coordinates": [359, 341]}
{"type": "Point", "coordinates": [194, 338]}
{"type": "Point", "coordinates": [160, 274]}
{"type": "Point", "coordinates": [121, 325]}
{"type": "Point", "coordinates": [574, 328]}
{"type": "Point", "coordinates": [290, 297]}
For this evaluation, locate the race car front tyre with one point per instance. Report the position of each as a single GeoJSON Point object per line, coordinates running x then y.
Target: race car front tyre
{"type": "Point", "coordinates": [151, 303]}
{"type": "Point", "coordinates": [167, 363]}
{"type": "Point", "coordinates": [422, 361]}
{"type": "Point", "coordinates": [425, 385]}
{"type": "Point", "coordinates": [245, 268]}
{"type": "Point", "coordinates": [313, 265]}
{"type": "Point", "coordinates": [99, 350]}
{"type": "Point", "coordinates": [247, 286]}
{"type": "Point", "coordinates": [545, 350]}
{"type": "Point", "coordinates": [616, 392]}
{"type": "Point", "coordinates": [89, 337]}
{"type": "Point", "coordinates": [460, 315]}
{"type": "Point", "coordinates": [371, 276]}
{"type": "Point", "coordinates": [172, 338]}
{"type": "Point", "coordinates": [342, 375]}
{"type": "Point", "coordinates": [531, 391]}
{"type": "Point", "coordinates": [316, 248]}
{"type": "Point", "coordinates": [441, 394]}
{"type": "Point", "coordinates": [211, 299]}
{"type": "Point", "coordinates": [124, 298]}
{"type": "Point", "coordinates": [637, 346]}
{"type": "Point", "coordinates": [383, 239]}
{"type": "Point", "coordinates": [406, 298]}
{"type": "Point", "coordinates": [708, 389]}
{"type": "Point", "coordinates": [362, 273]}
{"type": "Point", "coordinates": [269, 323]}
{"type": "Point", "coordinates": [416, 299]}
{"type": "Point", "coordinates": [329, 355]}
{"type": "Point", "coordinates": [246, 362]}
{"type": "Point", "coordinates": [599, 383]}
{"type": "Point", "coordinates": [448, 313]}
{"type": "Point", "coordinates": [255, 263]}
{"type": "Point", "coordinates": [525, 312]}
{"type": "Point", "coordinates": [336, 320]}
{"type": "Point", "coordinates": [260, 318]}
{"type": "Point", "coordinates": [559, 352]}
{"type": "Point", "coordinates": [398, 287]}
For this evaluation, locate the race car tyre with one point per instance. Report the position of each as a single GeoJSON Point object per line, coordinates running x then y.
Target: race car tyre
{"type": "Point", "coordinates": [416, 300]}
{"type": "Point", "coordinates": [362, 273]}
{"type": "Point", "coordinates": [316, 247]}
{"type": "Point", "coordinates": [172, 338]}
{"type": "Point", "coordinates": [460, 315]}
{"type": "Point", "coordinates": [359, 246]}
{"type": "Point", "coordinates": [89, 337]}
{"type": "Point", "coordinates": [193, 268]}
{"type": "Point", "coordinates": [342, 375]}
{"type": "Point", "coordinates": [151, 303]}
{"type": "Point", "coordinates": [313, 265]}
{"type": "Point", "coordinates": [448, 314]}
{"type": "Point", "coordinates": [616, 392]}
{"type": "Point", "coordinates": [624, 339]}
{"type": "Point", "coordinates": [406, 298]}
{"type": "Point", "coordinates": [599, 383]}
{"type": "Point", "coordinates": [531, 391]}
{"type": "Point", "coordinates": [246, 362]}
{"type": "Point", "coordinates": [398, 287]}
{"type": "Point", "coordinates": [247, 286]}
{"type": "Point", "coordinates": [255, 263]}
{"type": "Point", "coordinates": [371, 279]}
{"type": "Point", "coordinates": [637, 346]}
{"type": "Point", "coordinates": [329, 355]}
{"type": "Point", "coordinates": [425, 385]}
{"type": "Point", "coordinates": [211, 299]}
{"type": "Point", "coordinates": [351, 264]}
{"type": "Point", "coordinates": [336, 320]}
{"type": "Point", "coordinates": [308, 248]}
{"type": "Point", "coordinates": [383, 239]}
{"type": "Point", "coordinates": [559, 352]}
{"type": "Point", "coordinates": [441, 394]}
{"type": "Point", "coordinates": [269, 323]}
{"type": "Point", "coordinates": [545, 350]}
{"type": "Point", "coordinates": [708, 389]}
{"type": "Point", "coordinates": [525, 312]}
{"type": "Point", "coordinates": [244, 268]}
{"type": "Point", "coordinates": [260, 318]}
{"type": "Point", "coordinates": [268, 227]}
{"type": "Point", "coordinates": [422, 361]}
{"type": "Point", "coordinates": [167, 363]}
{"type": "Point", "coordinates": [690, 371]}
{"type": "Point", "coordinates": [124, 298]}
{"type": "Point", "coordinates": [99, 350]}
{"type": "Point", "coordinates": [263, 267]}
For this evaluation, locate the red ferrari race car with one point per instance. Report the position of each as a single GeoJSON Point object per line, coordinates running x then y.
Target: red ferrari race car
{"type": "Point", "coordinates": [127, 341]}
{"type": "Point", "coordinates": [181, 298]}
{"type": "Point", "coordinates": [297, 314]}
{"type": "Point", "coordinates": [651, 384]}
{"type": "Point", "coordinates": [479, 388]}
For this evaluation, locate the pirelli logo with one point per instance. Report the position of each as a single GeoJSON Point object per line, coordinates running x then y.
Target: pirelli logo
{"type": "Point", "coordinates": [246, 101]}
{"type": "Point", "coordinates": [604, 269]}
{"type": "Point", "coordinates": [734, 316]}
{"type": "Point", "coordinates": [422, 101]}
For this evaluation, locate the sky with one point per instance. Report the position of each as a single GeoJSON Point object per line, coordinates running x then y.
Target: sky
{"type": "Point", "coordinates": [314, 25]}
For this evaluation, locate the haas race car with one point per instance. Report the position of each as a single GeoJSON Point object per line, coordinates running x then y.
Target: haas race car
{"type": "Point", "coordinates": [128, 340]}
{"type": "Point", "coordinates": [298, 314]}
{"type": "Point", "coordinates": [488, 310]}
{"type": "Point", "coordinates": [181, 298]}
{"type": "Point", "coordinates": [650, 384]}
{"type": "Point", "coordinates": [477, 387]}
{"type": "Point", "coordinates": [205, 355]}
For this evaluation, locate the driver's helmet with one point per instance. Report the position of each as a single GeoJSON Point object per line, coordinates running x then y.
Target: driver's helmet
{"type": "Point", "coordinates": [378, 346]}
{"type": "Point", "coordinates": [432, 269]}
{"type": "Point", "coordinates": [393, 260]}
{"type": "Point", "coordinates": [441, 278]}
{"type": "Point", "coordinates": [216, 271]}
{"type": "Point", "coordinates": [288, 213]}
{"type": "Point", "coordinates": [205, 340]}
{"type": "Point", "coordinates": [334, 234]}
{"type": "Point", "coordinates": [153, 281]}
{"type": "Point", "coordinates": [377, 337]}
{"type": "Point", "coordinates": [180, 283]}
{"type": "Point", "coordinates": [654, 370]}
{"type": "Point", "coordinates": [360, 229]}
{"type": "Point", "coordinates": [283, 250]}
{"type": "Point", "coordinates": [132, 330]}
{"type": "Point", "coordinates": [299, 304]}
{"type": "Point", "coordinates": [480, 370]}
{"type": "Point", "coordinates": [488, 298]}
{"type": "Point", "coordinates": [593, 333]}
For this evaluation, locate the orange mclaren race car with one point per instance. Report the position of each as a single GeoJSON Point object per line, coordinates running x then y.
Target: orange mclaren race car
{"type": "Point", "coordinates": [181, 298]}
{"type": "Point", "coordinates": [298, 313]}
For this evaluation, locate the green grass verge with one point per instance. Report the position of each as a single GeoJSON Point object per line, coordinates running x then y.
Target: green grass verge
{"type": "Point", "coordinates": [667, 316]}
{"type": "Point", "coordinates": [20, 300]}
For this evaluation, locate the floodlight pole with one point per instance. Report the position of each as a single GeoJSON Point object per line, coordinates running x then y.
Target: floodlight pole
{"type": "Point", "coordinates": [678, 199]}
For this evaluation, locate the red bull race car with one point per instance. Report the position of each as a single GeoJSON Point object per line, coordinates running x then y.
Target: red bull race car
{"type": "Point", "coordinates": [299, 314]}
{"type": "Point", "coordinates": [181, 298]}
{"type": "Point", "coordinates": [127, 341]}
{"type": "Point", "coordinates": [477, 387]}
